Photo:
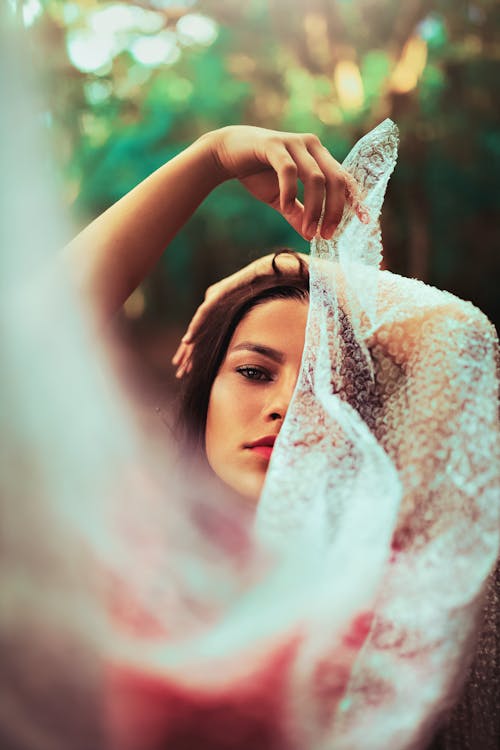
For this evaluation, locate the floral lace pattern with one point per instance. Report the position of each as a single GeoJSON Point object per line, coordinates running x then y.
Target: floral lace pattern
{"type": "Point", "coordinates": [386, 473]}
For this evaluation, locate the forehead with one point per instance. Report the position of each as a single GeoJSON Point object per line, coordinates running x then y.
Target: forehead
{"type": "Point", "coordinates": [278, 323]}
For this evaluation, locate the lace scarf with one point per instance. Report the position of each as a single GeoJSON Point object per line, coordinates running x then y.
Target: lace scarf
{"type": "Point", "coordinates": [386, 473]}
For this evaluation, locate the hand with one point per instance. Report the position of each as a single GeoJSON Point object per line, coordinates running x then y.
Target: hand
{"type": "Point", "coordinates": [287, 262]}
{"type": "Point", "coordinates": [269, 163]}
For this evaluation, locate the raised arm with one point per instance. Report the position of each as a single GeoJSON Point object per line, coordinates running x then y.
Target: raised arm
{"type": "Point", "coordinates": [111, 256]}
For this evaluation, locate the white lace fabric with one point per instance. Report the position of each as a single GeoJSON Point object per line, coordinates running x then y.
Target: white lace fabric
{"type": "Point", "coordinates": [387, 466]}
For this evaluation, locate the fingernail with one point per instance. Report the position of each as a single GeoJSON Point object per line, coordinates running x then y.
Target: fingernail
{"type": "Point", "coordinates": [327, 232]}
{"type": "Point", "coordinates": [186, 338]}
{"type": "Point", "coordinates": [363, 214]}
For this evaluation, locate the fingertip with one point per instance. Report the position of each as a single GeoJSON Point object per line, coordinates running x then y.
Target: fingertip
{"type": "Point", "coordinates": [309, 231]}
{"type": "Point", "coordinates": [328, 232]}
{"type": "Point", "coordinates": [363, 214]}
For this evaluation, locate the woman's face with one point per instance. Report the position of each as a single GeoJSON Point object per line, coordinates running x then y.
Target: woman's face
{"type": "Point", "coordinates": [251, 393]}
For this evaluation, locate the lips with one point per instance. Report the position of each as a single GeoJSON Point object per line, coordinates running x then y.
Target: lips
{"type": "Point", "coordinates": [263, 446]}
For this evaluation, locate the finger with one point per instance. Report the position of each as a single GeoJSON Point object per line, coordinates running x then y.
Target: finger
{"type": "Point", "coordinates": [217, 291]}
{"type": "Point", "coordinates": [314, 182]}
{"type": "Point", "coordinates": [295, 217]}
{"type": "Point", "coordinates": [185, 353]}
{"type": "Point", "coordinates": [176, 359]}
{"type": "Point", "coordinates": [341, 188]}
{"type": "Point", "coordinates": [181, 350]}
{"type": "Point", "coordinates": [196, 321]}
{"type": "Point", "coordinates": [363, 214]}
{"type": "Point", "coordinates": [336, 194]}
{"type": "Point", "coordinates": [287, 173]}
{"type": "Point", "coordinates": [354, 197]}
{"type": "Point", "coordinates": [183, 369]}
{"type": "Point", "coordinates": [185, 362]}
{"type": "Point", "coordinates": [258, 267]}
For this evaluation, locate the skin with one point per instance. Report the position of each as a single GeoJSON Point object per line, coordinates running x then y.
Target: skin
{"type": "Point", "coordinates": [114, 253]}
{"type": "Point", "coordinates": [252, 391]}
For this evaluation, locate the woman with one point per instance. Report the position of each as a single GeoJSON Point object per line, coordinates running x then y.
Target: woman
{"type": "Point", "coordinates": [115, 252]}
{"type": "Point", "coordinates": [242, 372]}
{"type": "Point", "coordinates": [379, 415]}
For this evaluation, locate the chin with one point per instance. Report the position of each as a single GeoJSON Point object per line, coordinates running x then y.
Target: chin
{"type": "Point", "coordinates": [249, 486]}
{"type": "Point", "coordinates": [238, 476]}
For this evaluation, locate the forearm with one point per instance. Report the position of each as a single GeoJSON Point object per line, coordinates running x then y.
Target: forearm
{"type": "Point", "coordinates": [112, 255]}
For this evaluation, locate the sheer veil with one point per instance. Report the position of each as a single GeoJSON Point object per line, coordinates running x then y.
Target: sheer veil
{"type": "Point", "coordinates": [385, 483]}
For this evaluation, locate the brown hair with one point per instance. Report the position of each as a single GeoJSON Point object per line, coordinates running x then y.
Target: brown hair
{"type": "Point", "coordinates": [213, 337]}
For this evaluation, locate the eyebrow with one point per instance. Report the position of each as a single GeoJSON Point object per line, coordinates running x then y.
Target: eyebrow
{"type": "Point", "coordinates": [267, 351]}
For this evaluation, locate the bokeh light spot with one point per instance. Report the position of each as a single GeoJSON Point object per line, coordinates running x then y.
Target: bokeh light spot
{"type": "Point", "coordinates": [196, 29]}
{"type": "Point", "coordinates": [89, 51]}
{"type": "Point", "coordinates": [349, 84]}
{"type": "Point", "coordinates": [119, 18]}
{"type": "Point", "coordinates": [161, 4]}
{"type": "Point", "coordinates": [180, 89]}
{"type": "Point", "coordinates": [32, 9]}
{"type": "Point", "coordinates": [410, 65]}
{"type": "Point", "coordinates": [161, 49]}
{"type": "Point", "coordinates": [70, 13]}
{"type": "Point", "coordinates": [433, 30]}
{"type": "Point", "coordinates": [97, 92]}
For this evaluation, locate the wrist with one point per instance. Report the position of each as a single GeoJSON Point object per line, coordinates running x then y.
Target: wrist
{"type": "Point", "coordinates": [210, 144]}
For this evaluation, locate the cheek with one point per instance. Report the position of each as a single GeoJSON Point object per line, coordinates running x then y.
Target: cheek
{"type": "Point", "coordinates": [216, 416]}
{"type": "Point", "coordinates": [232, 421]}
{"type": "Point", "coordinates": [220, 421]}
{"type": "Point", "coordinates": [229, 412]}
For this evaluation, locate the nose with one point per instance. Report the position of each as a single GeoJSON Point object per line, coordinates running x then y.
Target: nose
{"type": "Point", "coordinates": [280, 396]}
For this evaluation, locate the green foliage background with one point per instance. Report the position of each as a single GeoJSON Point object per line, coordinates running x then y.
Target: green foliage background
{"type": "Point", "coordinates": [272, 65]}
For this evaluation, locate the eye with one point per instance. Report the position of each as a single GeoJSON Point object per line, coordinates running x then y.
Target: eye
{"type": "Point", "coordinates": [254, 373]}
